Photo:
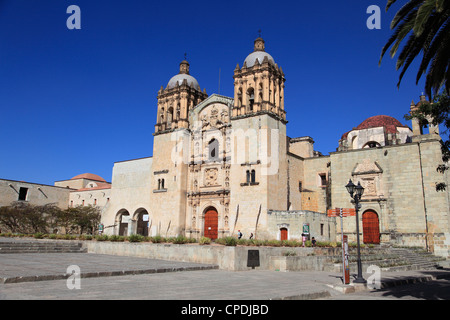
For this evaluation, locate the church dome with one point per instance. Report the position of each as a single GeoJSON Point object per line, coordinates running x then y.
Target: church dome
{"type": "Point", "coordinates": [183, 75]}
{"type": "Point", "coordinates": [258, 53]}
{"type": "Point", "coordinates": [179, 78]}
{"type": "Point", "coordinates": [388, 122]}
{"type": "Point", "coordinates": [251, 58]}
{"type": "Point", "coordinates": [89, 176]}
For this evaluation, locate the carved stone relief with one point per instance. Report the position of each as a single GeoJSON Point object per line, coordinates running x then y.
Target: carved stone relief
{"type": "Point", "coordinates": [211, 175]}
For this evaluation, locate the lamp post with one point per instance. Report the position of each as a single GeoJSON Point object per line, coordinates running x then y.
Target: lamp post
{"type": "Point", "coordinates": [355, 193]}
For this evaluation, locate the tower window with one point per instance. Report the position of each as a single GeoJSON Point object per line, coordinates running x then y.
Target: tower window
{"type": "Point", "coordinates": [251, 98]}
{"type": "Point", "coordinates": [253, 176]}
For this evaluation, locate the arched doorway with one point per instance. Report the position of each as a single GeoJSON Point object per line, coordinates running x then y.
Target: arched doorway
{"type": "Point", "coordinates": [142, 222]}
{"type": "Point", "coordinates": [283, 234]}
{"type": "Point", "coordinates": [211, 223]}
{"type": "Point", "coordinates": [123, 218]}
{"type": "Point", "coordinates": [371, 227]}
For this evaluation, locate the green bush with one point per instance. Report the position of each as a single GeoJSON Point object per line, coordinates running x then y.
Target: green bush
{"type": "Point", "coordinates": [136, 238]}
{"type": "Point", "coordinates": [180, 240]}
{"type": "Point", "coordinates": [204, 240]}
{"type": "Point", "coordinates": [227, 241]}
{"type": "Point", "coordinates": [85, 237]}
{"type": "Point", "coordinates": [116, 238]}
{"type": "Point", "coordinates": [157, 239]}
{"type": "Point", "coordinates": [38, 235]}
{"type": "Point", "coordinates": [102, 238]}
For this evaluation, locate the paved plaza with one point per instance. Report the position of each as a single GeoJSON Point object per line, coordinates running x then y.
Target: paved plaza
{"type": "Point", "coordinates": [103, 277]}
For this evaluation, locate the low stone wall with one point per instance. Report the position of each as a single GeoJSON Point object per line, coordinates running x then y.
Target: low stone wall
{"type": "Point", "coordinates": [227, 258]}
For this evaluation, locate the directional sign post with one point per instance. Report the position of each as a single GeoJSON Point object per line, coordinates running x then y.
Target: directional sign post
{"type": "Point", "coordinates": [343, 212]}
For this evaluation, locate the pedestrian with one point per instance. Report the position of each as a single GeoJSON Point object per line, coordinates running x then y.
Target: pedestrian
{"type": "Point", "coordinates": [239, 234]}
{"type": "Point", "coordinates": [251, 236]}
{"type": "Point", "coordinates": [313, 241]}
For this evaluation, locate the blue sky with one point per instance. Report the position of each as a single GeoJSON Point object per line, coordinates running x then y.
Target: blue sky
{"type": "Point", "coordinates": [76, 101]}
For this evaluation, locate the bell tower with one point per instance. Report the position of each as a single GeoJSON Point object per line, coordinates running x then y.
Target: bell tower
{"type": "Point", "coordinates": [181, 94]}
{"type": "Point", "coordinates": [259, 85]}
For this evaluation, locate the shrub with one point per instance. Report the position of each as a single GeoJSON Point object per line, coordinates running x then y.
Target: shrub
{"type": "Point", "coordinates": [38, 235]}
{"type": "Point", "coordinates": [136, 238]}
{"type": "Point", "coordinates": [85, 237]}
{"type": "Point", "coordinates": [180, 240]}
{"type": "Point", "coordinates": [116, 238]}
{"type": "Point", "coordinates": [103, 237]}
{"type": "Point", "coordinates": [274, 243]}
{"type": "Point", "coordinates": [157, 239]}
{"type": "Point", "coordinates": [204, 240]}
{"type": "Point", "coordinates": [230, 241]}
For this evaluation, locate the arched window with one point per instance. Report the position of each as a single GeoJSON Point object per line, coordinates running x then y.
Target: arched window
{"type": "Point", "coordinates": [170, 115]}
{"type": "Point", "coordinates": [371, 144]}
{"type": "Point", "coordinates": [213, 150]}
{"type": "Point", "coordinates": [248, 176]}
{"type": "Point", "coordinates": [253, 176]}
{"type": "Point", "coordinates": [251, 98]}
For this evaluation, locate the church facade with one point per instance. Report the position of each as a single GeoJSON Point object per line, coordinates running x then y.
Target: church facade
{"type": "Point", "coordinates": [222, 164]}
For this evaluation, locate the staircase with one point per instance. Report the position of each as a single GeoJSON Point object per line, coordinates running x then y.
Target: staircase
{"type": "Point", "coordinates": [417, 259]}
{"type": "Point", "coordinates": [41, 247]}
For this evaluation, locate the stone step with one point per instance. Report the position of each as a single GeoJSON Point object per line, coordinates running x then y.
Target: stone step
{"type": "Point", "coordinates": [40, 247]}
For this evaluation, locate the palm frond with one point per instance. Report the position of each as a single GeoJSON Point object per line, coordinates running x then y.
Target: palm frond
{"type": "Point", "coordinates": [424, 13]}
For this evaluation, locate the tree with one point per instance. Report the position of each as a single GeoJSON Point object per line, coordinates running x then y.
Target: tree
{"type": "Point", "coordinates": [439, 111]}
{"type": "Point", "coordinates": [427, 22]}
{"type": "Point", "coordinates": [84, 218]}
{"type": "Point", "coordinates": [25, 218]}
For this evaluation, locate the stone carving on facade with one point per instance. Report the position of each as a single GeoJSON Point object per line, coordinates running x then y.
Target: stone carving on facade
{"type": "Point", "coordinates": [214, 117]}
{"type": "Point", "coordinates": [369, 174]}
{"type": "Point", "coordinates": [211, 175]}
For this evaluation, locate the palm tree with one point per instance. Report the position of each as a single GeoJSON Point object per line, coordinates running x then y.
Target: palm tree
{"type": "Point", "coordinates": [427, 22]}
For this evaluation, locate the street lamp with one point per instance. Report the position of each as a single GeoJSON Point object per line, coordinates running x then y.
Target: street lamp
{"type": "Point", "coordinates": [356, 193]}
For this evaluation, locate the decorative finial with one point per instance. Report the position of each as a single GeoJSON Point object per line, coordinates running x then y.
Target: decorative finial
{"type": "Point", "coordinates": [185, 56]}
{"type": "Point", "coordinates": [259, 33]}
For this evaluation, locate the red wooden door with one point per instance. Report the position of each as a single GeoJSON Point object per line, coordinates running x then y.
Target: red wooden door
{"type": "Point", "coordinates": [211, 223]}
{"type": "Point", "coordinates": [371, 227]}
{"type": "Point", "coordinates": [283, 234]}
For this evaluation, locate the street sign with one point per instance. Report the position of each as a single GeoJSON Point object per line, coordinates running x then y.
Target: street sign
{"type": "Point", "coordinates": [306, 228]}
{"type": "Point", "coordinates": [346, 212]}
{"type": "Point", "coordinates": [345, 266]}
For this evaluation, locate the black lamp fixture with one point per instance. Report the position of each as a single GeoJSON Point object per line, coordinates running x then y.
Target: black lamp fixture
{"type": "Point", "coordinates": [356, 192]}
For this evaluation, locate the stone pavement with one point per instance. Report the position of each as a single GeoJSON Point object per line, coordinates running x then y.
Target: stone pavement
{"type": "Point", "coordinates": [106, 277]}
